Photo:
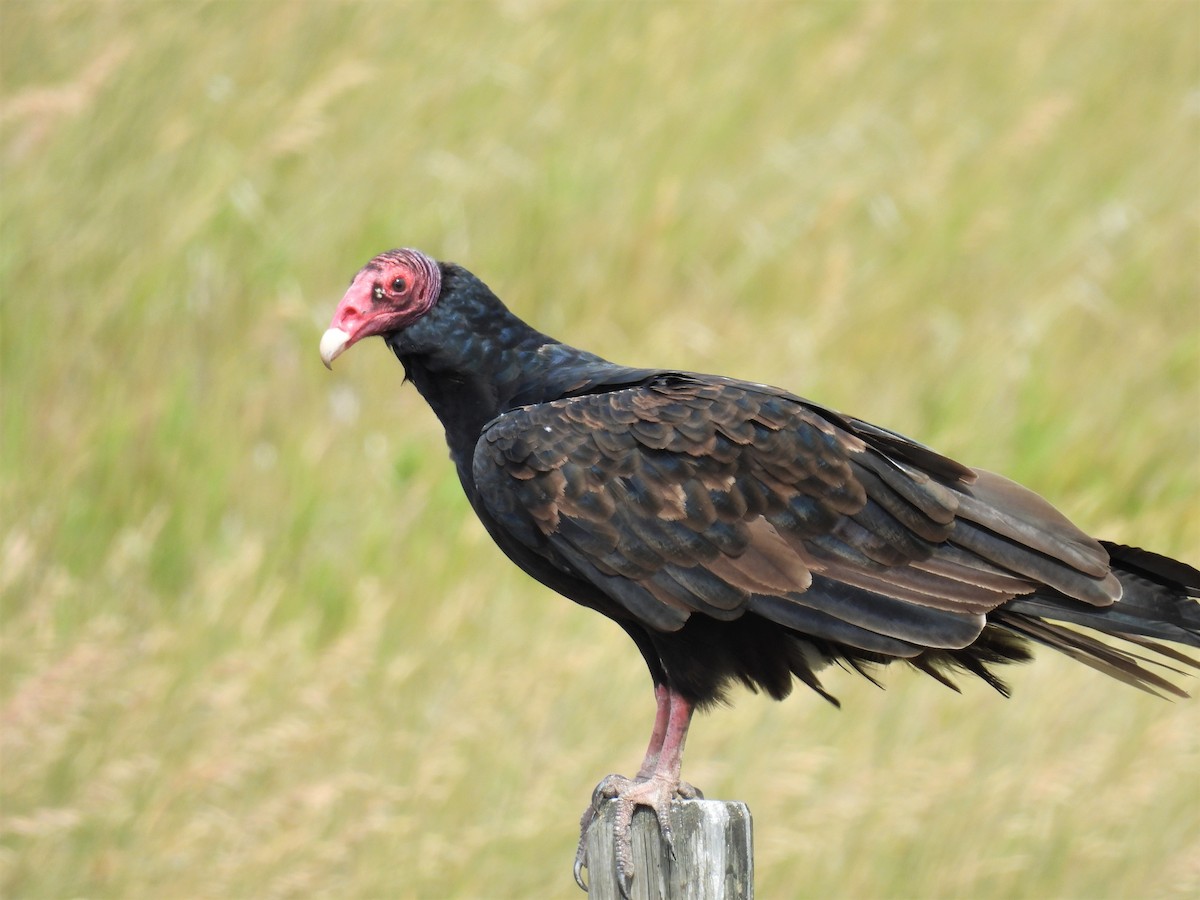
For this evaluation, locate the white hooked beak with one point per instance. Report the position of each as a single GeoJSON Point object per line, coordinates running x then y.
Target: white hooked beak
{"type": "Point", "coordinates": [333, 342]}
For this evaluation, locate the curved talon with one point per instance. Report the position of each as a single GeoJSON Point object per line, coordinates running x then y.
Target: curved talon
{"type": "Point", "coordinates": [609, 788]}
{"type": "Point", "coordinates": [623, 845]}
{"type": "Point", "coordinates": [580, 865]}
{"type": "Point", "coordinates": [657, 792]}
{"type": "Point", "coordinates": [664, 828]}
{"type": "Point", "coordinates": [585, 822]}
{"type": "Point", "coordinates": [656, 785]}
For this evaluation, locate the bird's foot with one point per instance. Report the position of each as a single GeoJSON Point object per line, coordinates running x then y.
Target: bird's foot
{"type": "Point", "coordinates": [655, 791]}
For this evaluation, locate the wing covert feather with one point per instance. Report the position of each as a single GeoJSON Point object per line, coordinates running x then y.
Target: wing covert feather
{"type": "Point", "coordinates": [694, 495]}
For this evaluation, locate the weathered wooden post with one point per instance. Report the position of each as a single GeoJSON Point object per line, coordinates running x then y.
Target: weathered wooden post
{"type": "Point", "coordinates": [714, 858]}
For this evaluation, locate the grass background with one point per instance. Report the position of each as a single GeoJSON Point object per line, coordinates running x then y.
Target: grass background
{"type": "Point", "coordinates": [254, 644]}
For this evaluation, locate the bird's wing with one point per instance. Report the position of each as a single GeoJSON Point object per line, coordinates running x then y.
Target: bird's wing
{"type": "Point", "coordinates": [688, 494]}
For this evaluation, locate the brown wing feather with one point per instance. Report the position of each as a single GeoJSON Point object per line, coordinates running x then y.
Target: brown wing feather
{"type": "Point", "coordinates": [691, 495]}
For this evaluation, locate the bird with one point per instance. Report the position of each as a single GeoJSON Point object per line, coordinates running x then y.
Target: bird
{"type": "Point", "coordinates": [742, 535]}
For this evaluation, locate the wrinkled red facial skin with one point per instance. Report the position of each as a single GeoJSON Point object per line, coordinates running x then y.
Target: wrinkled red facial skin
{"type": "Point", "coordinates": [389, 293]}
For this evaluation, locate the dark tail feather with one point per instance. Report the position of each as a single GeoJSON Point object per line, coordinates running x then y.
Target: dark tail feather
{"type": "Point", "coordinates": [1177, 576]}
{"type": "Point", "coordinates": [1112, 661]}
{"type": "Point", "coordinates": [1160, 602]}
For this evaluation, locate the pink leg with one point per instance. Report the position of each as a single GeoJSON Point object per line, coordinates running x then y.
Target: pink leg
{"type": "Point", "coordinates": [670, 754]}
{"type": "Point", "coordinates": [663, 697]}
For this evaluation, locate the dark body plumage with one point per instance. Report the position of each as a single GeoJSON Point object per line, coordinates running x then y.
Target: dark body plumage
{"type": "Point", "coordinates": [739, 533]}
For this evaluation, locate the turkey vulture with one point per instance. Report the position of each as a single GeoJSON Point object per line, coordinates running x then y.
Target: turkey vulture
{"type": "Point", "coordinates": [739, 533]}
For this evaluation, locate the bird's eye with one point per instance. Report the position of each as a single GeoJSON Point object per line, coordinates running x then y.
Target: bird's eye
{"type": "Point", "coordinates": [399, 285]}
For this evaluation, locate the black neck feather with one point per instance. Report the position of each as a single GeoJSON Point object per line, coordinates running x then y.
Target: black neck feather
{"type": "Point", "coordinates": [472, 360]}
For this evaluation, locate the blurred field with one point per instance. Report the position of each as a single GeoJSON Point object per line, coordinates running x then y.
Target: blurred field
{"type": "Point", "coordinates": [253, 642]}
